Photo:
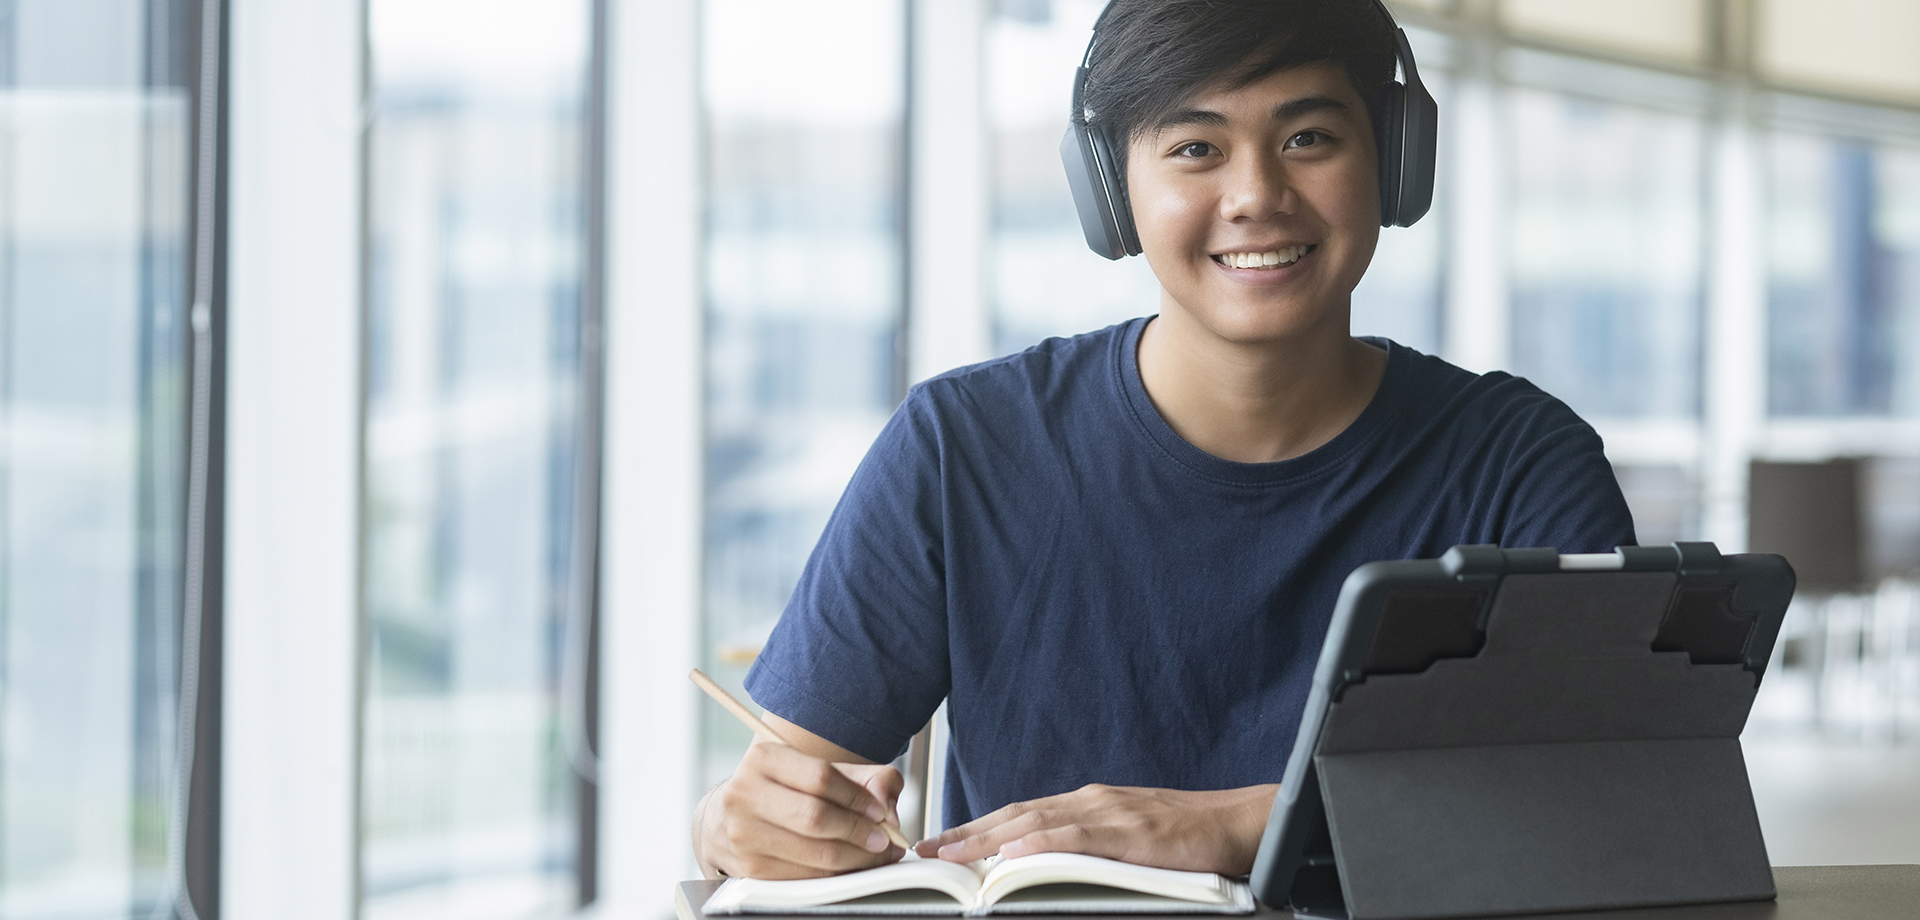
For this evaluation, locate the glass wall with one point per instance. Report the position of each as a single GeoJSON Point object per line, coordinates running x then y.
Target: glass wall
{"type": "Point", "coordinates": [1844, 276]}
{"type": "Point", "coordinates": [804, 281]}
{"type": "Point", "coordinates": [1605, 242]}
{"type": "Point", "coordinates": [1042, 280]}
{"type": "Point", "coordinates": [473, 431]}
{"type": "Point", "coordinates": [95, 113]}
{"type": "Point", "coordinates": [1590, 245]}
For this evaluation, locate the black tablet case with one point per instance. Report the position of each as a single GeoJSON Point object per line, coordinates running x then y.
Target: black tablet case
{"type": "Point", "coordinates": [1488, 734]}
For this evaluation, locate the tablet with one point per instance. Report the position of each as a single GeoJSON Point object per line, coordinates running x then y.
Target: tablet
{"type": "Point", "coordinates": [1512, 731]}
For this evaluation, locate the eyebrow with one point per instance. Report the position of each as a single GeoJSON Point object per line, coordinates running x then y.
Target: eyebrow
{"type": "Point", "coordinates": [1306, 105]}
{"type": "Point", "coordinates": [1291, 109]}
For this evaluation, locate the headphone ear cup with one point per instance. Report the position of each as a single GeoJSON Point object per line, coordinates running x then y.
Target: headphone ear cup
{"type": "Point", "coordinates": [1419, 136]}
{"type": "Point", "coordinates": [1089, 195]}
{"type": "Point", "coordinates": [1389, 141]}
{"type": "Point", "coordinates": [1116, 187]}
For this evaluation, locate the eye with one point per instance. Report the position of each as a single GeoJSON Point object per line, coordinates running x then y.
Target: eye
{"type": "Point", "coordinates": [1194, 150]}
{"type": "Point", "coordinates": [1306, 139]}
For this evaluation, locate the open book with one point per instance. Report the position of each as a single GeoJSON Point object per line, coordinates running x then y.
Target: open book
{"type": "Point", "coordinates": [1044, 883]}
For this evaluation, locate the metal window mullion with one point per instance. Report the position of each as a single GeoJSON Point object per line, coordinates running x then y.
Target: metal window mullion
{"type": "Point", "coordinates": [194, 833]}
{"type": "Point", "coordinates": [581, 700]}
{"type": "Point", "coordinates": [7, 185]}
{"type": "Point", "coordinates": [365, 121]}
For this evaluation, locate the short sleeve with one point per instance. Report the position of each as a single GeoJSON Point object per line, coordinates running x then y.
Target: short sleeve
{"type": "Point", "coordinates": [859, 656]}
{"type": "Point", "coordinates": [1563, 490]}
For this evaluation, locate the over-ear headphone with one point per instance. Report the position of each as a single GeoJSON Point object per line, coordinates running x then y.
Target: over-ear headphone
{"type": "Point", "coordinates": [1405, 134]}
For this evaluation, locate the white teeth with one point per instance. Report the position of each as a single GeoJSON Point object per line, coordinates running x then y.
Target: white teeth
{"type": "Point", "coordinates": [1286, 256]}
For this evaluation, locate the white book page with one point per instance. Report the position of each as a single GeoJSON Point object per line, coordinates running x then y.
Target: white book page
{"type": "Point", "coordinates": [1012, 875]}
{"type": "Point", "coordinates": [960, 882]}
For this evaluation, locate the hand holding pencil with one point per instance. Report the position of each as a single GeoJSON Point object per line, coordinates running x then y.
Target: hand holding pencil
{"type": "Point", "coordinates": [789, 814]}
{"type": "Point", "coordinates": [720, 695]}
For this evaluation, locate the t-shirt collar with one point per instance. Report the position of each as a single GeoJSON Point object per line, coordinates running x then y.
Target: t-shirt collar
{"type": "Point", "coordinates": [1147, 422]}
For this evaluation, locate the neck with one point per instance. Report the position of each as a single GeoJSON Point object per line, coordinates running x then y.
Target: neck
{"type": "Point", "coordinates": [1257, 402]}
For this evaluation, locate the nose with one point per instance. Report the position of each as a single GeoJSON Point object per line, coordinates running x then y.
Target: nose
{"type": "Point", "coordinates": [1257, 187]}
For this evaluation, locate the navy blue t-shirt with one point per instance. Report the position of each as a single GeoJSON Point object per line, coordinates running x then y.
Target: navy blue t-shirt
{"type": "Point", "coordinates": [1103, 602]}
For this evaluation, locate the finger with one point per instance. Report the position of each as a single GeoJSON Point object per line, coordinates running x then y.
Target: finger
{"type": "Point", "coordinates": [830, 857]}
{"type": "Point", "coordinates": [808, 815]}
{"type": "Point", "coordinates": [824, 857]}
{"type": "Point", "coordinates": [882, 782]}
{"type": "Point", "coordinates": [987, 842]}
{"type": "Point", "coordinates": [796, 859]}
{"type": "Point", "coordinates": [981, 825]}
{"type": "Point", "coordinates": [820, 819]}
{"type": "Point", "coordinates": [768, 832]}
{"type": "Point", "coordinates": [756, 834]}
{"type": "Point", "coordinates": [1069, 838]}
{"type": "Point", "coordinates": [816, 777]}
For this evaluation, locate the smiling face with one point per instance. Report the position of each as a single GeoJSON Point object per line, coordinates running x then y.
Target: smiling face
{"type": "Point", "coordinates": [1259, 207]}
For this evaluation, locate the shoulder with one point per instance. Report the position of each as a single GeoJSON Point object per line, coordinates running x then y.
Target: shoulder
{"type": "Point", "coordinates": [1039, 378]}
{"type": "Point", "coordinates": [1539, 473]}
{"type": "Point", "coordinates": [1495, 405]}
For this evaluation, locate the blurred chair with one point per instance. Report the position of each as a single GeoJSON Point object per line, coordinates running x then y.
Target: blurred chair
{"type": "Point", "coordinates": [1811, 514]}
{"type": "Point", "coordinates": [1857, 644]}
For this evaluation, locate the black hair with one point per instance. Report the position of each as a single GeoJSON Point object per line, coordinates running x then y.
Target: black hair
{"type": "Point", "coordinates": [1149, 56]}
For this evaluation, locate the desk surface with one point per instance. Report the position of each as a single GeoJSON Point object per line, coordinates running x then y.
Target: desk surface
{"type": "Point", "coordinates": [1806, 893]}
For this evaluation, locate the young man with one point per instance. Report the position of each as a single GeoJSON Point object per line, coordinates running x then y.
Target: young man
{"type": "Point", "coordinates": [1116, 555]}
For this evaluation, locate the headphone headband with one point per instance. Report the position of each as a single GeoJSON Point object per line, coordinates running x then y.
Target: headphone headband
{"type": "Point", "coordinates": [1407, 131]}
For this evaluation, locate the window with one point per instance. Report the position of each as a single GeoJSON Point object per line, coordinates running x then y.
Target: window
{"type": "Point", "coordinates": [474, 430]}
{"type": "Point", "coordinates": [804, 280]}
{"type": "Point", "coordinates": [414, 497]}
{"type": "Point", "coordinates": [1042, 279]}
{"type": "Point", "coordinates": [1606, 242]}
{"type": "Point", "coordinates": [96, 181]}
{"type": "Point", "coordinates": [1843, 277]}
